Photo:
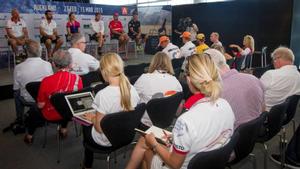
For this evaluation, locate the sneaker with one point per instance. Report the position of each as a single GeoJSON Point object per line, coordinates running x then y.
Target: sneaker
{"type": "Point", "coordinates": [276, 158]}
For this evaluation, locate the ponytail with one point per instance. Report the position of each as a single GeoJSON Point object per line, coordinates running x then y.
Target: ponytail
{"type": "Point", "coordinates": [125, 92]}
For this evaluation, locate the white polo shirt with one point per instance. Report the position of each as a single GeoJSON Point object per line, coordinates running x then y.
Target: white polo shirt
{"type": "Point", "coordinates": [172, 51]}
{"type": "Point", "coordinates": [97, 26]}
{"type": "Point", "coordinates": [17, 28]}
{"type": "Point", "coordinates": [107, 101]}
{"type": "Point", "coordinates": [82, 63]}
{"type": "Point", "coordinates": [280, 84]}
{"type": "Point", "coordinates": [31, 70]}
{"type": "Point", "coordinates": [151, 83]}
{"type": "Point", "coordinates": [187, 49]}
{"type": "Point", "coordinates": [48, 27]}
{"type": "Point", "coordinates": [205, 127]}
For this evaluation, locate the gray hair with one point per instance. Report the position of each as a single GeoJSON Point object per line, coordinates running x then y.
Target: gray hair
{"type": "Point", "coordinates": [284, 53]}
{"type": "Point", "coordinates": [62, 59]}
{"type": "Point", "coordinates": [76, 37]}
{"type": "Point", "coordinates": [33, 48]}
{"type": "Point", "coordinates": [217, 57]}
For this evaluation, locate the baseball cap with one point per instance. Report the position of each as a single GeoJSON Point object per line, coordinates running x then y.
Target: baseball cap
{"type": "Point", "coordinates": [200, 36]}
{"type": "Point", "coordinates": [162, 39]}
{"type": "Point", "coordinates": [116, 14]}
{"type": "Point", "coordinates": [185, 35]}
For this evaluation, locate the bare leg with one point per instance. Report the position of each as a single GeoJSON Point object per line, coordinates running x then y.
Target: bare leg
{"type": "Point", "coordinates": [48, 47]}
{"type": "Point", "coordinates": [148, 159]}
{"type": "Point", "coordinates": [137, 155]}
{"type": "Point", "coordinates": [100, 40]}
{"type": "Point", "coordinates": [58, 44]}
{"type": "Point", "coordinates": [13, 43]}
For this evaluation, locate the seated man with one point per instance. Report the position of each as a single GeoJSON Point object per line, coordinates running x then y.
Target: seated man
{"type": "Point", "coordinates": [244, 92]}
{"type": "Point", "coordinates": [98, 29]}
{"type": "Point", "coordinates": [188, 48]}
{"type": "Point", "coordinates": [201, 43]}
{"type": "Point", "coordinates": [214, 38]}
{"type": "Point", "coordinates": [134, 30]}
{"type": "Point", "coordinates": [49, 35]}
{"type": "Point", "coordinates": [82, 63]}
{"type": "Point", "coordinates": [16, 31]}
{"type": "Point", "coordinates": [31, 70]}
{"type": "Point", "coordinates": [117, 31]}
{"type": "Point", "coordinates": [283, 81]}
{"type": "Point", "coordinates": [171, 50]}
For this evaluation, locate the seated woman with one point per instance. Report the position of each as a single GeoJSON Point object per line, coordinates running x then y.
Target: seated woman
{"type": "Point", "coordinates": [247, 50]}
{"type": "Point", "coordinates": [73, 26]}
{"type": "Point", "coordinates": [228, 57]}
{"type": "Point", "coordinates": [207, 125]}
{"type": "Point", "coordinates": [159, 79]}
{"type": "Point", "coordinates": [61, 81]}
{"type": "Point", "coordinates": [118, 96]}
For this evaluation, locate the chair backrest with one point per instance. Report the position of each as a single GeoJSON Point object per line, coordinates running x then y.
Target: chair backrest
{"type": "Point", "coordinates": [133, 79]}
{"type": "Point", "coordinates": [248, 135]}
{"type": "Point", "coordinates": [99, 87]}
{"type": "Point", "coordinates": [239, 62]}
{"type": "Point", "coordinates": [163, 110]}
{"type": "Point", "coordinates": [33, 89]}
{"type": "Point", "coordinates": [215, 159]}
{"type": "Point", "coordinates": [91, 77]}
{"type": "Point", "coordinates": [258, 72]}
{"type": "Point", "coordinates": [292, 103]}
{"type": "Point", "coordinates": [60, 104]}
{"type": "Point", "coordinates": [134, 70]}
{"type": "Point", "coordinates": [119, 127]}
{"type": "Point", "coordinates": [177, 63]}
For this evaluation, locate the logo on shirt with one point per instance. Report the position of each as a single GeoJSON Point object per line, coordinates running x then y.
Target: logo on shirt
{"type": "Point", "coordinates": [179, 129]}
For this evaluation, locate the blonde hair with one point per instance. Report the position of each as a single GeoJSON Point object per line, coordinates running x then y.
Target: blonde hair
{"type": "Point", "coordinates": [112, 65]}
{"type": "Point", "coordinates": [249, 42]}
{"type": "Point", "coordinates": [161, 61]}
{"type": "Point", "coordinates": [284, 53]}
{"type": "Point", "coordinates": [204, 75]}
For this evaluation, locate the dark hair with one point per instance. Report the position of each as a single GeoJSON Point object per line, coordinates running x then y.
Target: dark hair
{"type": "Point", "coordinates": [97, 13]}
{"type": "Point", "coordinates": [48, 11]}
{"type": "Point", "coordinates": [70, 14]}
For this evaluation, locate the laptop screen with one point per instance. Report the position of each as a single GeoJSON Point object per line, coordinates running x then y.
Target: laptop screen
{"type": "Point", "coordinates": [81, 102]}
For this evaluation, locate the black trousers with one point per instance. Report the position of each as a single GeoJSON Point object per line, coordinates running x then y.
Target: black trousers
{"type": "Point", "coordinates": [35, 119]}
{"type": "Point", "coordinates": [293, 149]}
{"type": "Point", "coordinates": [88, 154]}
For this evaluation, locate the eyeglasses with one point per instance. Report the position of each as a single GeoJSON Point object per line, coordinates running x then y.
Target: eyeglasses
{"type": "Point", "coordinates": [83, 42]}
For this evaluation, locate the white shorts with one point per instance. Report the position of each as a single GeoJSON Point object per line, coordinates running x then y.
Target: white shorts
{"type": "Point", "coordinates": [157, 163]}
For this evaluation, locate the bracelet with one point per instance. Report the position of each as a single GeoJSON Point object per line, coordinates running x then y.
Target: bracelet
{"type": "Point", "coordinates": [154, 147]}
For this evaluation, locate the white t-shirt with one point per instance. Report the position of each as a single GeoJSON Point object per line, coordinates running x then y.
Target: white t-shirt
{"type": "Point", "coordinates": [193, 30]}
{"type": "Point", "coordinates": [82, 63]}
{"type": "Point", "coordinates": [151, 83]}
{"type": "Point", "coordinates": [48, 27]}
{"type": "Point", "coordinates": [172, 51]}
{"type": "Point", "coordinates": [187, 49]}
{"type": "Point", "coordinates": [280, 84]}
{"type": "Point", "coordinates": [205, 127]}
{"type": "Point", "coordinates": [31, 70]}
{"type": "Point", "coordinates": [97, 26]}
{"type": "Point", "coordinates": [218, 43]}
{"type": "Point", "coordinates": [17, 28]}
{"type": "Point", "coordinates": [246, 51]}
{"type": "Point", "coordinates": [107, 101]}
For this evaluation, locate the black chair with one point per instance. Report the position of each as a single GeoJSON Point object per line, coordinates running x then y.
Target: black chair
{"type": "Point", "coordinates": [162, 111]}
{"type": "Point", "coordinates": [258, 72]}
{"type": "Point", "coordinates": [133, 79]}
{"type": "Point", "coordinates": [215, 159]}
{"type": "Point", "coordinates": [248, 135]}
{"type": "Point", "coordinates": [119, 135]}
{"type": "Point", "coordinates": [186, 90]}
{"type": "Point", "coordinates": [271, 127]}
{"type": "Point", "coordinates": [135, 70]}
{"type": "Point", "coordinates": [292, 103]}
{"type": "Point", "coordinates": [177, 72]}
{"type": "Point", "coordinates": [99, 87]}
{"type": "Point", "coordinates": [91, 77]}
{"type": "Point", "coordinates": [177, 63]}
{"type": "Point", "coordinates": [33, 89]}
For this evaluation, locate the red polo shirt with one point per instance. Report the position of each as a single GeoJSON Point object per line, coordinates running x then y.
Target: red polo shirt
{"type": "Point", "coordinates": [62, 81]}
{"type": "Point", "coordinates": [115, 25]}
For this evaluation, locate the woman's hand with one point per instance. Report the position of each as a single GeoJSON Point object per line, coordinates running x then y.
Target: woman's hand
{"type": "Point", "coordinates": [89, 116]}
{"type": "Point", "coordinates": [150, 140]}
{"type": "Point", "coordinates": [233, 46]}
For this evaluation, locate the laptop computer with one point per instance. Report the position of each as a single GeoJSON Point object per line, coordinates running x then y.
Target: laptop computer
{"type": "Point", "coordinates": [80, 104]}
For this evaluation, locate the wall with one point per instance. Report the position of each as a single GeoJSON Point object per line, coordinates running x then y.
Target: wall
{"type": "Point", "coordinates": [295, 36]}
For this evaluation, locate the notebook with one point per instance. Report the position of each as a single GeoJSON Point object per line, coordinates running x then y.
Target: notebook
{"type": "Point", "coordinates": [159, 133]}
{"type": "Point", "coordinates": [81, 104]}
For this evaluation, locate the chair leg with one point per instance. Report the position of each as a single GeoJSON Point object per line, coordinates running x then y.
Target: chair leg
{"type": "Point", "coordinates": [76, 129]}
{"type": "Point", "coordinates": [45, 135]}
{"type": "Point", "coordinates": [265, 156]}
{"type": "Point", "coordinates": [115, 156]}
{"type": "Point", "coordinates": [253, 161]}
{"type": "Point", "coordinates": [108, 161]}
{"type": "Point", "coordinates": [59, 141]}
{"type": "Point", "coordinates": [294, 125]}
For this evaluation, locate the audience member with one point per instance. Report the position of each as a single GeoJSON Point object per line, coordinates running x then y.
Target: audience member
{"type": "Point", "coordinates": [82, 63]}
{"type": "Point", "coordinates": [188, 48]}
{"type": "Point", "coordinates": [118, 96]}
{"type": "Point", "coordinates": [117, 31]}
{"type": "Point", "coordinates": [207, 125]}
{"type": "Point", "coordinates": [244, 52]}
{"type": "Point", "coordinates": [31, 70]}
{"type": "Point", "coordinates": [201, 43]}
{"type": "Point", "coordinates": [49, 34]}
{"type": "Point", "coordinates": [98, 29]}
{"type": "Point", "coordinates": [73, 26]}
{"type": "Point", "coordinates": [159, 79]}
{"type": "Point", "coordinates": [283, 81]}
{"type": "Point", "coordinates": [171, 50]}
{"type": "Point", "coordinates": [61, 81]}
{"type": "Point", "coordinates": [16, 31]}
{"type": "Point", "coordinates": [214, 38]}
{"type": "Point", "coordinates": [244, 92]}
{"type": "Point", "coordinates": [192, 28]}
{"type": "Point", "coordinates": [134, 30]}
